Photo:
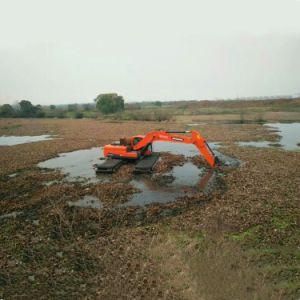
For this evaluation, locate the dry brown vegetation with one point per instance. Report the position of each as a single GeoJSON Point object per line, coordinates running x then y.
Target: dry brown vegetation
{"type": "Point", "coordinates": [241, 242]}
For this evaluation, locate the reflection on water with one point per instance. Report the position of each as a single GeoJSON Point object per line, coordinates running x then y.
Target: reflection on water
{"type": "Point", "coordinates": [186, 175]}
{"type": "Point", "coordinates": [151, 193]}
{"type": "Point", "coordinates": [290, 134]}
{"type": "Point", "coordinates": [184, 179]}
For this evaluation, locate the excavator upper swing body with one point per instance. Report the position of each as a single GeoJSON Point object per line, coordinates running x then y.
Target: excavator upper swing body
{"type": "Point", "coordinates": [139, 148]}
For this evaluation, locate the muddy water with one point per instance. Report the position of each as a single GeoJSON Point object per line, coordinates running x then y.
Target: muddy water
{"type": "Point", "coordinates": [170, 186]}
{"type": "Point", "coordinates": [87, 201]}
{"type": "Point", "coordinates": [17, 140]}
{"type": "Point", "coordinates": [151, 193]}
{"type": "Point", "coordinates": [290, 134]}
{"type": "Point", "coordinates": [186, 175]}
{"type": "Point", "coordinates": [289, 137]}
{"type": "Point", "coordinates": [78, 165]}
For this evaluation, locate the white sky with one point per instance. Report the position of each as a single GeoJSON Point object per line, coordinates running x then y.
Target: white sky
{"type": "Point", "coordinates": [64, 51]}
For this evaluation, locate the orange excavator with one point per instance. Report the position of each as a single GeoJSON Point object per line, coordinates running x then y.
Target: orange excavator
{"type": "Point", "coordinates": [139, 149]}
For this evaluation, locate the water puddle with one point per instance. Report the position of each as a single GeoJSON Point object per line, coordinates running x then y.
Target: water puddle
{"type": "Point", "coordinates": [289, 137]}
{"type": "Point", "coordinates": [290, 134]}
{"type": "Point", "coordinates": [186, 175]}
{"type": "Point", "coordinates": [151, 193]}
{"type": "Point", "coordinates": [154, 188]}
{"type": "Point", "coordinates": [78, 165]}
{"type": "Point", "coordinates": [170, 186]}
{"type": "Point", "coordinates": [17, 140]}
{"type": "Point", "coordinates": [87, 201]}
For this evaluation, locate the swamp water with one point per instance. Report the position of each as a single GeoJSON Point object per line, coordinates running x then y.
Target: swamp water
{"type": "Point", "coordinates": [289, 137]}
{"type": "Point", "coordinates": [17, 140]}
{"type": "Point", "coordinates": [78, 166]}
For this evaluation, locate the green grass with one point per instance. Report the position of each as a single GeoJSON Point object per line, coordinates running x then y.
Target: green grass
{"type": "Point", "coordinates": [274, 248]}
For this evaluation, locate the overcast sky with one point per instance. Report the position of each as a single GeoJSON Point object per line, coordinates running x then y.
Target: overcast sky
{"type": "Point", "coordinates": [64, 51]}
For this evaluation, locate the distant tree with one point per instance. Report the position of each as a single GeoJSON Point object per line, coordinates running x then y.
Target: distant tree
{"type": "Point", "coordinates": [52, 107]}
{"type": "Point", "coordinates": [39, 113]}
{"type": "Point", "coordinates": [60, 114]}
{"type": "Point", "coordinates": [6, 110]}
{"type": "Point", "coordinates": [78, 115]}
{"type": "Point", "coordinates": [27, 109]}
{"type": "Point", "coordinates": [157, 103]}
{"type": "Point", "coordinates": [87, 107]}
{"type": "Point", "coordinates": [109, 103]}
{"type": "Point", "coordinates": [72, 107]}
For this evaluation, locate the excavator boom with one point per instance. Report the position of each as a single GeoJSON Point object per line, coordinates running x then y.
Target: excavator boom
{"type": "Point", "coordinates": [139, 148]}
{"type": "Point", "coordinates": [178, 137]}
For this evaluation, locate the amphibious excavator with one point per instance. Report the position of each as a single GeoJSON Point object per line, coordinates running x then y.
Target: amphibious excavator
{"type": "Point", "coordinates": [138, 149]}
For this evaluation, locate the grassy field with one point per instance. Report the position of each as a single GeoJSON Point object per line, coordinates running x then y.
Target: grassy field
{"type": "Point", "coordinates": [234, 111]}
{"type": "Point", "coordinates": [242, 242]}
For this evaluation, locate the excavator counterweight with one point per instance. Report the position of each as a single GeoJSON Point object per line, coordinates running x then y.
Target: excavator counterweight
{"type": "Point", "coordinates": [139, 148]}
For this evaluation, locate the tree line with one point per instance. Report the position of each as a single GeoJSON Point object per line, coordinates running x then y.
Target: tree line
{"type": "Point", "coordinates": [24, 109]}
{"type": "Point", "coordinates": [104, 103]}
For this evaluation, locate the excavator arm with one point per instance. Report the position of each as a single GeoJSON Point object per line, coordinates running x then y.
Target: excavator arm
{"type": "Point", "coordinates": [177, 137]}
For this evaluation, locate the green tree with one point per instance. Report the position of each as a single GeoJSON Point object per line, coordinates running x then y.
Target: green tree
{"type": "Point", "coordinates": [6, 110]}
{"type": "Point", "coordinates": [72, 107]}
{"type": "Point", "coordinates": [27, 109]}
{"type": "Point", "coordinates": [39, 113]}
{"type": "Point", "coordinates": [78, 115]}
{"type": "Point", "coordinates": [87, 107]}
{"type": "Point", "coordinates": [52, 107]}
{"type": "Point", "coordinates": [109, 103]}
{"type": "Point", "coordinates": [60, 114]}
